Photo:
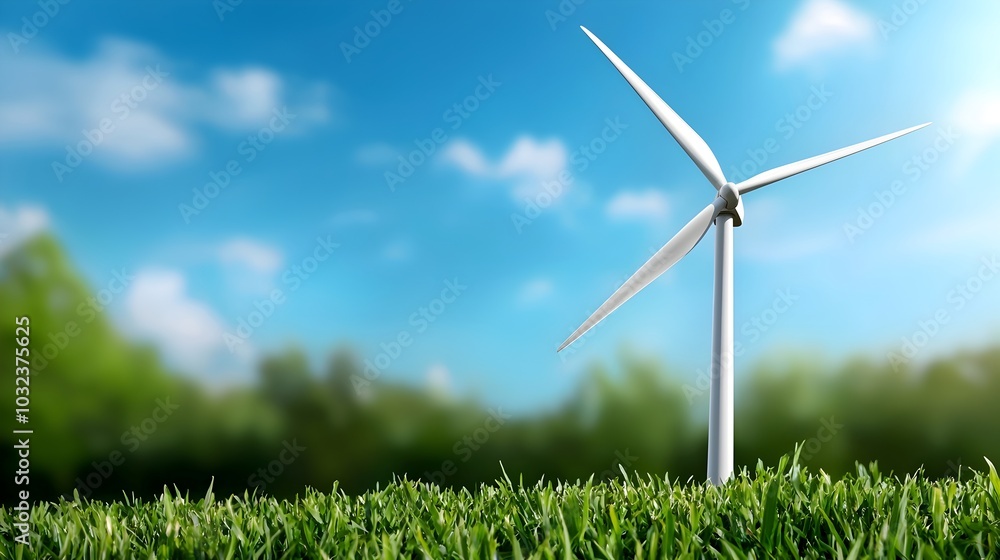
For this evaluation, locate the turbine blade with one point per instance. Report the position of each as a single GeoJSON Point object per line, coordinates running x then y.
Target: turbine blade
{"type": "Point", "coordinates": [668, 255]}
{"type": "Point", "coordinates": [693, 144]}
{"type": "Point", "coordinates": [786, 171]}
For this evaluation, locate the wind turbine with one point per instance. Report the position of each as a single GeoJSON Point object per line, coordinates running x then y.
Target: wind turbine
{"type": "Point", "coordinates": [726, 212]}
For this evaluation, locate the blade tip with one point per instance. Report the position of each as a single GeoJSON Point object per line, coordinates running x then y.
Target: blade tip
{"type": "Point", "coordinates": [913, 129]}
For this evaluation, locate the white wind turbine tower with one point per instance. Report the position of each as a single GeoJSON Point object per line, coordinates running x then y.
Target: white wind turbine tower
{"type": "Point", "coordinates": [726, 211]}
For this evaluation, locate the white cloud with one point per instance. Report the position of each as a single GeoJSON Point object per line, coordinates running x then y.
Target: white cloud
{"type": "Point", "coordinates": [249, 267]}
{"type": "Point", "coordinates": [467, 157]}
{"type": "Point", "coordinates": [147, 138]}
{"type": "Point", "coordinates": [650, 204]}
{"type": "Point", "coordinates": [251, 254]}
{"type": "Point", "coordinates": [978, 112]}
{"type": "Point", "coordinates": [531, 158]}
{"type": "Point", "coordinates": [49, 100]}
{"type": "Point", "coordinates": [535, 291]}
{"type": "Point", "coordinates": [820, 28]}
{"type": "Point", "coordinates": [526, 159]}
{"type": "Point", "coordinates": [247, 96]}
{"type": "Point", "coordinates": [976, 116]}
{"type": "Point", "coordinates": [159, 309]}
{"type": "Point", "coordinates": [20, 224]}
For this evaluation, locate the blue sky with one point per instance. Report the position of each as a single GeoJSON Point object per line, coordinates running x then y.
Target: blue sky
{"type": "Point", "coordinates": [304, 111]}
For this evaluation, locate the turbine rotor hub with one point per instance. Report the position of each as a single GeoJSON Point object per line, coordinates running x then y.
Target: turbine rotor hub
{"type": "Point", "coordinates": [734, 203]}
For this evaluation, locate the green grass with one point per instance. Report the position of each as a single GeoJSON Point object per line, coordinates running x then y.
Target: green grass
{"type": "Point", "coordinates": [783, 512]}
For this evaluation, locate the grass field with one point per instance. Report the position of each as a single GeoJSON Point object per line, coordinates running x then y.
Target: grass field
{"type": "Point", "coordinates": [783, 512]}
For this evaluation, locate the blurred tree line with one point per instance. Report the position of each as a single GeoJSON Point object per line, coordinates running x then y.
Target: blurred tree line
{"type": "Point", "coordinates": [109, 418]}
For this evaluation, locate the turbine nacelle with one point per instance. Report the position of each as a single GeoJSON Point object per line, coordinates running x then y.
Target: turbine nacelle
{"type": "Point", "coordinates": [730, 195]}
